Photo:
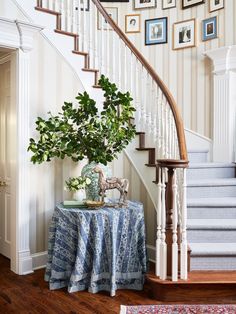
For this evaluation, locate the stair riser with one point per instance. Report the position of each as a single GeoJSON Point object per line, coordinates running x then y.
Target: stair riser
{"type": "Point", "coordinates": [213, 262]}
{"type": "Point", "coordinates": [210, 212]}
{"type": "Point", "coordinates": [211, 191]}
{"type": "Point", "coordinates": [210, 173]}
{"type": "Point", "coordinates": [211, 236]}
{"type": "Point", "coordinates": [197, 157]}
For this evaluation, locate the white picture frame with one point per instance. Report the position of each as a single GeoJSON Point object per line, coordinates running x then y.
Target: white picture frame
{"type": "Point", "coordinates": [113, 12]}
{"type": "Point", "coordinates": [215, 5]}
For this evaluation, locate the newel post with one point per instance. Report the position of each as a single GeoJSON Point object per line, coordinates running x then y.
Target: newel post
{"type": "Point", "coordinates": [173, 249]}
{"type": "Point", "coordinates": [224, 102]}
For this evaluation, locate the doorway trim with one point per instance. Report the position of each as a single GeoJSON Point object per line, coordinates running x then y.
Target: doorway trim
{"type": "Point", "coordinates": [19, 35]}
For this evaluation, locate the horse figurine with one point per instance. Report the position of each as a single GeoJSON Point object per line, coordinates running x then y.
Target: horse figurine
{"type": "Point", "coordinates": [122, 185]}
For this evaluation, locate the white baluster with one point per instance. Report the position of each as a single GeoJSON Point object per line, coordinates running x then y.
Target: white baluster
{"type": "Point", "coordinates": [57, 5]}
{"type": "Point", "coordinates": [113, 54]}
{"type": "Point", "coordinates": [124, 69]}
{"type": "Point", "coordinates": [91, 21]}
{"type": "Point", "coordinates": [73, 15]}
{"type": "Point", "coordinates": [108, 49]}
{"type": "Point", "coordinates": [175, 237]}
{"type": "Point", "coordinates": [84, 26]}
{"type": "Point", "coordinates": [158, 235]}
{"type": "Point", "coordinates": [163, 248]}
{"type": "Point", "coordinates": [96, 33]}
{"type": "Point", "coordinates": [102, 43]}
{"type": "Point", "coordinates": [119, 63]}
{"type": "Point", "coordinates": [184, 245]}
{"type": "Point", "coordinates": [63, 19]}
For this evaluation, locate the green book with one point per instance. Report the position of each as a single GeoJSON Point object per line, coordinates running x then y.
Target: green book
{"type": "Point", "coordinates": [74, 204]}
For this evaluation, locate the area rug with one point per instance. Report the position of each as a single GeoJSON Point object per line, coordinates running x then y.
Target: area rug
{"type": "Point", "coordinates": [179, 309]}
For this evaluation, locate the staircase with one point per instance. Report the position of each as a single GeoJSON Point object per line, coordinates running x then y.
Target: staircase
{"type": "Point", "coordinates": [211, 187]}
{"type": "Point", "coordinates": [211, 225]}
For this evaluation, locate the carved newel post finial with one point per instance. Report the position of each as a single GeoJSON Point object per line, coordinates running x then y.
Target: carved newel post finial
{"type": "Point", "coordinates": [122, 185]}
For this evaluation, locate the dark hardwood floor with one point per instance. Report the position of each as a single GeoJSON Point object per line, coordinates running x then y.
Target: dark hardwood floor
{"type": "Point", "coordinates": [30, 294]}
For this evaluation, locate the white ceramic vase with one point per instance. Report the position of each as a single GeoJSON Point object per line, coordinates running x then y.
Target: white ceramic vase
{"type": "Point", "coordinates": [79, 195]}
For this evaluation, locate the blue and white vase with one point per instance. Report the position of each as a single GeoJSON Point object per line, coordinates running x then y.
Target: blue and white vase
{"type": "Point", "coordinates": [92, 190]}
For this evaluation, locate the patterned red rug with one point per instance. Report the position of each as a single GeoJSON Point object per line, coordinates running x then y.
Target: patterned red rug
{"type": "Point", "coordinates": [179, 309]}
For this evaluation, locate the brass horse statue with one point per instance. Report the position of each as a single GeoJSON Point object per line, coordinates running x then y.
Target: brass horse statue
{"type": "Point", "coordinates": [122, 185]}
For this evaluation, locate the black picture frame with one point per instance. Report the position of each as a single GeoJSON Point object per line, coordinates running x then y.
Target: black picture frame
{"type": "Point", "coordinates": [184, 6]}
{"type": "Point", "coordinates": [163, 21]}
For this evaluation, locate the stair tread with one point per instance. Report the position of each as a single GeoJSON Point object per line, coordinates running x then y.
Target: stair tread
{"type": "Point", "coordinates": [212, 182]}
{"type": "Point", "coordinates": [213, 249]}
{"type": "Point", "coordinates": [212, 202]}
{"type": "Point", "coordinates": [145, 148]}
{"type": "Point", "coordinates": [218, 224]}
{"type": "Point", "coordinates": [193, 165]}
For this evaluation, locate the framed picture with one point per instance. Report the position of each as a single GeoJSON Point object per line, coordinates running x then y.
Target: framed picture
{"type": "Point", "coordinates": [216, 5]}
{"type": "Point", "coordinates": [156, 31]}
{"type": "Point", "coordinates": [209, 28]}
{"type": "Point", "coordinates": [190, 3]}
{"type": "Point", "coordinates": [168, 4]}
{"type": "Point", "coordinates": [102, 23]}
{"type": "Point", "coordinates": [144, 4]}
{"type": "Point", "coordinates": [184, 34]}
{"type": "Point", "coordinates": [132, 23]}
{"type": "Point", "coordinates": [83, 4]}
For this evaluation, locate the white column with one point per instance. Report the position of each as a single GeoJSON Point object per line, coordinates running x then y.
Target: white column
{"type": "Point", "coordinates": [23, 263]}
{"type": "Point", "coordinates": [224, 103]}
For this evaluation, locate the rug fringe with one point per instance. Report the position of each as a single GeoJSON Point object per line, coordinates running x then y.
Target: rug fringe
{"type": "Point", "coordinates": [123, 309]}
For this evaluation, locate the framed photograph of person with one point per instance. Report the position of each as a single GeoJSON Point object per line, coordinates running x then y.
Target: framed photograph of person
{"type": "Point", "coordinates": [102, 23]}
{"type": "Point", "coordinates": [209, 28]}
{"type": "Point", "coordinates": [156, 31]}
{"type": "Point", "coordinates": [216, 5]}
{"type": "Point", "coordinates": [133, 23]}
{"type": "Point", "coordinates": [144, 4]}
{"type": "Point", "coordinates": [184, 34]}
{"type": "Point", "coordinates": [190, 3]}
{"type": "Point", "coordinates": [168, 4]}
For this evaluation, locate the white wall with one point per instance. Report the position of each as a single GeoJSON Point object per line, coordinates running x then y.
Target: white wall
{"type": "Point", "coordinates": [186, 72]}
{"type": "Point", "coordinates": [52, 81]}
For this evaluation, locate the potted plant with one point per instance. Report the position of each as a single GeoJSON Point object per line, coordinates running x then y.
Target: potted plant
{"type": "Point", "coordinates": [82, 131]}
{"type": "Point", "coordinates": [77, 185]}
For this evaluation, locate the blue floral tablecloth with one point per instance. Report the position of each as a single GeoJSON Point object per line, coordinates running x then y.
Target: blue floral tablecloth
{"type": "Point", "coordinates": [97, 249]}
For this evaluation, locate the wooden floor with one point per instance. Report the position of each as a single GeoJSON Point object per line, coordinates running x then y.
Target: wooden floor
{"type": "Point", "coordinates": [30, 294]}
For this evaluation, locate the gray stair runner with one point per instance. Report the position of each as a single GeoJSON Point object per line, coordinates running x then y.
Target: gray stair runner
{"type": "Point", "coordinates": [211, 200]}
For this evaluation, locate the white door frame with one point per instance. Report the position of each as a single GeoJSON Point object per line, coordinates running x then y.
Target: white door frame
{"type": "Point", "coordinates": [19, 35]}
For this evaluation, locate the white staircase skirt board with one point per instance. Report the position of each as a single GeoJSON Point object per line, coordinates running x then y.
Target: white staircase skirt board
{"type": "Point", "coordinates": [196, 156]}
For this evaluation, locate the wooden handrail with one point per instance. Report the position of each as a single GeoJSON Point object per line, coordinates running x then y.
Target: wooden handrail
{"type": "Point", "coordinates": [178, 121]}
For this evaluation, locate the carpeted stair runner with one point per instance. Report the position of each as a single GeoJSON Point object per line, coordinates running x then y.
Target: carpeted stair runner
{"type": "Point", "coordinates": [211, 199]}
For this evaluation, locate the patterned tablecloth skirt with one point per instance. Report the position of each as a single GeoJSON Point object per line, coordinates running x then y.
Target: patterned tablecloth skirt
{"type": "Point", "coordinates": [101, 249]}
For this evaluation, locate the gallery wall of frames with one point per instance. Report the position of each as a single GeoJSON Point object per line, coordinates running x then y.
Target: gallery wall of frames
{"type": "Point", "coordinates": [173, 36]}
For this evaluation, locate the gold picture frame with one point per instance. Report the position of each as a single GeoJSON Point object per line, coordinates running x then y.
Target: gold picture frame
{"type": "Point", "coordinates": [184, 34]}
{"type": "Point", "coordinates": [132, 23]}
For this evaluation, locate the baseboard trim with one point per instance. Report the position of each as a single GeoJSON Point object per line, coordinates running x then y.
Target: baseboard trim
{"type": "Point", "coordinates": [25, 262]}
{"type": "Point", "coordinates": [39, 260]}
